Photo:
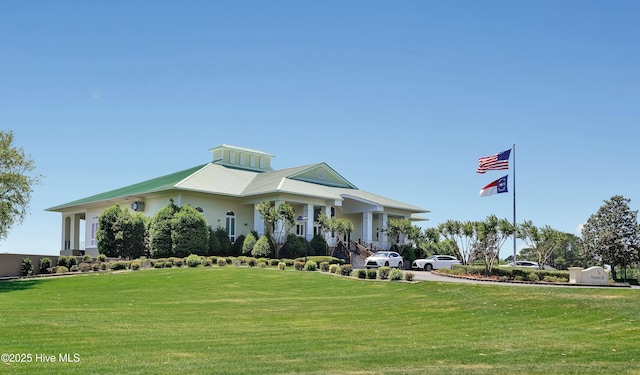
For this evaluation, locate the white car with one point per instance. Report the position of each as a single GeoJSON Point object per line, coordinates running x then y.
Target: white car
{"type": "Point", "coordinates": [384, 259]}
{"type": "Point", "coordinates": [434, 262]}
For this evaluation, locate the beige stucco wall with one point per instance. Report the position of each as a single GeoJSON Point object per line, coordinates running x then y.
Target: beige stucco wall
{"type": "Point", "coordinates": [10, 263]}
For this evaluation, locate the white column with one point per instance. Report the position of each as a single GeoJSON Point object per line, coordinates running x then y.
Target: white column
{"type": "Point", "coordinates": [258, 223]}
{"type": "Point", "coordinates": [383, 220]}
{"type": "Point", "coordinates": [367, 227]}
{"type": "Point", "coordinates": [308, 230]}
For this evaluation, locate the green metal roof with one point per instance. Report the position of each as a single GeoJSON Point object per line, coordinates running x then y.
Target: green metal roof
{"type": "Point", "coordinates": [157, 184]}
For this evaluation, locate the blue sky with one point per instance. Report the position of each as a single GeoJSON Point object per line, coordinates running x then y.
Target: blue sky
{"type": "Point", "coordinates": [400, 97]}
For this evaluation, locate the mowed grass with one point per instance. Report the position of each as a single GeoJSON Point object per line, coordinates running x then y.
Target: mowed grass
{"type": "Point", "coordinates": [263, 321]}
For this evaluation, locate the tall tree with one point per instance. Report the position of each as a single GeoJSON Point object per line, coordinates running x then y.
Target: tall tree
{"type": "Point", "coordinates": [463, 234]}
{"type": "Point", "coordinates": [340, 226]}
{"type": "Point", "coordinates": [541, 242]}
{"type": "Point", "coordinates": [16, 183]}
{"type": "Point", "coordinates": [160, 227]}
{"type": "Point", "coordinates": [107, 228]}
{"type": "Point", "coordinates": [278, 222]}
{"type": "Point", "coordinates": [613, 234]}
{"type": "Point", "coordinates": [121, 234]}
{"type": "Point", "coordinates": [491, 234]}
{"type": "Point", "coordinates": [190, 233]}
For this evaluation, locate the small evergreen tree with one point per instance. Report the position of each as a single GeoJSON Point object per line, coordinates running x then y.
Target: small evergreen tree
{"type": "Point", "coordinates": [248, 244]}
{"type": "Point", "coordinates": [189, 234]}
{"type": "Point", "coordinates": [262, 248]}
{"type": "Point", "coordinates": [160, 243]}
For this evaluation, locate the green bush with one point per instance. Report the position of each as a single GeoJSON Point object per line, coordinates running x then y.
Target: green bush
{"type": "Point", "coordinates": [333, 268]}
{"type": "Point", "coordinates": [384, 272]}
{"type": "Point", "coordinates": [62, 269]}
{"type": "Point", "coordinates": [299, 266]}
{"type": "Point", "coordinates": [395, 274]}
{"type": "Point", "coordinates": [252, 262]}
{"type": "Point", "coordinates": [346, 269]}
{"type": "Point", "coordinates": [63, 261]}
{"type": "Point", "coordinates": [194, 260]}
{"type": "Point", "coordinates": [311, 266]}
{"type": "Point", "coordinates": [282, 266]}
{"type": "Point", "coordinates": [274, 262]}
{"type": "Point", "coordinates": [288, 262]}
{"type": "Point", "coordinates": [45, 264]}
{"type": "Point", "coordinates": [104, 265]}
{"type": "Point", "coordinates": [26, 269]}
{"type": "Point", "coordinates": [102, 258]}
{"type": "Point", "coordinates": [532, 276]}
{"type": "Point", "coordinates": [324, 266]}
{"type": "Point", "coordinates": [222, 262]}
{"type": "Point", "coordinates": [74, 268]}
{"type": "Point", "coordinates": [87, 259]}
{"type": "Point", "coordinates": [85, 267]}
{"type": "Point", "coordinates": [95, 266]}
{"type": "Point", "coordinates": [409, 276]}
{"type": "Point", "coordinates": [320, 259]}
{"type": "Point", "coordinates": [372, 274]}
{"type": "Point", "coordinates": [206, 262]}
{"type": "Point", "coordinates": [262, 264]}
{"type": "Point", "coordinates": [118, 265]}
{"type": "Point", "coordinates": [72, 261]}
{"type": "Point", "coordinates": [361, 273]}
{"type": "Point", "coordinates": [135, 265]}
{"type": "Point", "coordinates": [158, 264]}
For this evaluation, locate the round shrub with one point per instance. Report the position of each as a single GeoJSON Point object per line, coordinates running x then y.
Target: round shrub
{"type": "Point", "coordinates": [103, 266]}
{"type": "Point", "coordinates": [395, 274]}
{"type": "Point", "coordinates": [282, 266]}
{"type": "Point", "coordinates": [193, 260]}
{"type": "Point", "coordinates": [274, 262]}
{"type": "Point", "coordinates": [135, 265]}
{"type": "Point", "coordinates": [262, 264]}
{"type": "Point", "coordinates": [333, 268]}
{"type": "Point", "coordinates": [324, 266]}
{"type": "Point", "coordinates": [62, 269]}
{"type": "Point", "coordinates": [45, 264]}
{"type": "Point", "coordinates": [299, 266]}
{"type": "Point", "coordinates": [74, 268]}
{"type": "Point", "coordinates": [288, 262]}
{"type": "Point", "coordinates": [361, 273]}
{"type": "Point", "coordinates": [346, 269]}
{"type": "Point", "coordinates": [63, 261]}
{"type": "Point", "coordinates": [372, 274]}
{"type": "Point", "coordinates": [311, 266]}
{"type": "Point", "coordinates": [532, 276]}
{"type": "Point", "coordinates": [206, 262]}
{"type": "Point", "coordinates": [72, 261]}
{"type": "Point", "coordinates": [102, 258]}
{"type": "Point", "coordinates": [383, 272]}
{"type": "Point", "coordinates": [409, 276]}
{"type": "Point", "coordinates": [95, 266]}
{"type": "Point", "coordinates": [87, 259]}
{"type": "Point", "coordinates": [26, 269]}
{"type": "Point", "coordinates": [252, 262]}
{"type": "Point", "coordinates": [118, 265]}
{"type": "Point", "coordinates": [158, 264]}
{"type": "Point", "coordinates": [85, 267]}
{"type": "Point", "coordinates": [222, 262]}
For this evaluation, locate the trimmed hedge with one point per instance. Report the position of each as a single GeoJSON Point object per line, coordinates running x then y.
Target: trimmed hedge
{"type": "Point", "coordinates": [510, 273]}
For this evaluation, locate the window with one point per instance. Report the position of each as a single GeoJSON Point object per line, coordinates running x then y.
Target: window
{"type": "Point", "coordinates": [300, 230]}
{"type": "Point", "coordinates": [231, 225]}
{"type": "Point", "coordinates": [94, 230]}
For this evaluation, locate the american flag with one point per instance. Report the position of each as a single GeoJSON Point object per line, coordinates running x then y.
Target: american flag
{"type": "Point", "coordinates": [495, 162]}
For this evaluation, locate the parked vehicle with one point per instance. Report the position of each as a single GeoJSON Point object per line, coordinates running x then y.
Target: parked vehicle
{"type": "Point", "coordinates": [434, 262]}
{"type": "Point", "coordinates": [384, 258]}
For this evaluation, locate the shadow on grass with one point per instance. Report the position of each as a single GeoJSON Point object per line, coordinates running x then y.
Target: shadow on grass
{"type": "Point", "coordinates": [15, 285]}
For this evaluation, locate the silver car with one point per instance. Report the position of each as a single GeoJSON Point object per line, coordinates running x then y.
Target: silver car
{"type": "Point", "coordinates": [434, 262]}
{"type": "Point", "coordinates": [384, 258]}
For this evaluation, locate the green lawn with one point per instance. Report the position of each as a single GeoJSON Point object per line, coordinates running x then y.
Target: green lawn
{"type": "Point", "coordinates": [264, 321]}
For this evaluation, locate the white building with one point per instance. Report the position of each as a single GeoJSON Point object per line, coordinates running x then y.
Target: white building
{"type": "Point", "coordinates": [227, 190]}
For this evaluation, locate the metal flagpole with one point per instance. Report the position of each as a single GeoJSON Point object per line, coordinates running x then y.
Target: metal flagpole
{"type": "Point", "coordinates": [514, 205]}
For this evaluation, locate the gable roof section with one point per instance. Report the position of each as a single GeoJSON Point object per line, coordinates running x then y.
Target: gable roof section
{"type": "Point", "coordinates": [154, 185]}
{"type": "Point", "coordinates": [322, 174]}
